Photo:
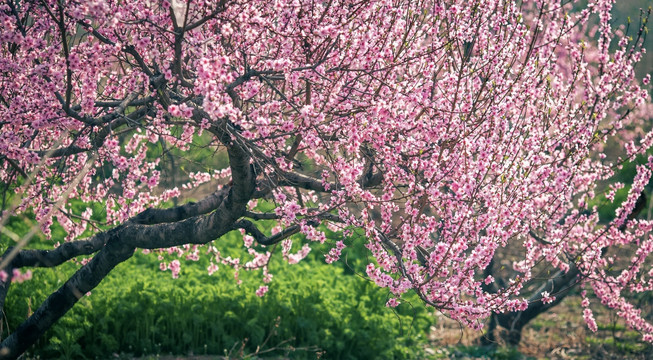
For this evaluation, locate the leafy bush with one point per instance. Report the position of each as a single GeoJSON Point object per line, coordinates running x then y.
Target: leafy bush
{"type": "Point", "coordinates": [138, 310]}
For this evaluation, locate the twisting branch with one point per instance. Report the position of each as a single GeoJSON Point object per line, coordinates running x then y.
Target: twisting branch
{"type": "Point", "coordinates": [100, 135]}
{"type": "Point", "coordinates": [118, 245]}
{"type": "Point", "coordinates": [57, 304]}
{"type": "Point", "coordinates": [252, 230]}
{"type": "Point", "coordinates": [55, 257]}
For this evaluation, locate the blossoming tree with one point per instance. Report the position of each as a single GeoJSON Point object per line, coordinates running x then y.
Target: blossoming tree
{"type": "Point", "coordinates": [446, 131]}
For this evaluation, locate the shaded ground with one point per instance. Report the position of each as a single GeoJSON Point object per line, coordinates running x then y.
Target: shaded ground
{"type": "Point", "coordinates": [561, 334]}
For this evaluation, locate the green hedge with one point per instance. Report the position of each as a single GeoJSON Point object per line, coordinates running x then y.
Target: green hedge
{"type": "Point", "coordinates": [140, 310]}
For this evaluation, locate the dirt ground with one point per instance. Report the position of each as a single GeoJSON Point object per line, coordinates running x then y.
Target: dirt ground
{"type": "Point", "coordinates": [559, 334]}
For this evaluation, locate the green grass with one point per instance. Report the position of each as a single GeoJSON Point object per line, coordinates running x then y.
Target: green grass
{"type": "Point", "coordinates": [628, 343]}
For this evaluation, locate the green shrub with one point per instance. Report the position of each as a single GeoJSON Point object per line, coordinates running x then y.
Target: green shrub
{"type": "Point", "coordinates": [140, 310]}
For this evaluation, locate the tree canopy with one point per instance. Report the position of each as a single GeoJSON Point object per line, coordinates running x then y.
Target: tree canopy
{"type": "Point", "coordinates": [447, 132]}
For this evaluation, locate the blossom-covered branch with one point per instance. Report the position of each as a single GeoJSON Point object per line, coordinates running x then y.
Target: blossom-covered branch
{"type": "Point", "coordinates": [450, 133]}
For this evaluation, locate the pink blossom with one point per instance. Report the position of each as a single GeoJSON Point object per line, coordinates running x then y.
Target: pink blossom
{"type": "Point", "coordinates": [466, 147]}
{"type": "Point", "coordinates": [547, 298]}
{"type": "Point", "coordinates": [588, 316]}
{"type": "Point", "coordinates": [175, 268]}
{"type": "Point", "coordinates": [392, 302]}
{"type": "Point", "coordinates": [212, 268]}
{"type": "Point", "coordinates": [262, 290]}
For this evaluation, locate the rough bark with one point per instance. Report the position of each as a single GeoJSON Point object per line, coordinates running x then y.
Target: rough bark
{"type": "Point", "coordinates": [513, 323]}
{"type": "Point", "coordinates": [56, 305]}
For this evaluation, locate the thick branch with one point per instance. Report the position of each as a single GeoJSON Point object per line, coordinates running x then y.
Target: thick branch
{"type": "Point", "coordinates": [304, 182]}
{"type": "Point", "coordinates": [57, 304]}
{"type": "Point", "coordinates": [194, 230]}
{"type": "Point", "coordinates": [119, 245]}
{"type": "Point", "coordinates": [65, 252]}
{"type": "Point", "coordinates": [252, 230]}
{"type": "Point", "coordinates": [69, 250]}
{"type": "Point", "coordinates": [157, 216]}
{"type": "Point", "coordinates": [559, 285]}
{"type": "Point", "coordinates": [242, 172]}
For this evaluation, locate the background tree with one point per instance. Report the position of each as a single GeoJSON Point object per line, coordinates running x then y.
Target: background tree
{"type": "Point", "coordinates": [445, 131]}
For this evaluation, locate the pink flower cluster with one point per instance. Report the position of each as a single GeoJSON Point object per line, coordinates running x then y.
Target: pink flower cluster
{"type": "Point", "coordinates": [443, 136]}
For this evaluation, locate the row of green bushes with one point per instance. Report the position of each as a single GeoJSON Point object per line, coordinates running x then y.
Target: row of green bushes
{"type": "Point", "coordinates": [312, 309]}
